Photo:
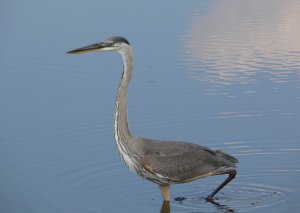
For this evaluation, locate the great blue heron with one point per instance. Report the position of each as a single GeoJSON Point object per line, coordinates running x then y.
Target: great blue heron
{"type": "Point", "coordinates": [162, 162]}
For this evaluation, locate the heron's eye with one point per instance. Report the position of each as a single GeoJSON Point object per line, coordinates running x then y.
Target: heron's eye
{"type": "Point", "coordinates": [106, 44]}
{"type": "Point", "coordinates": [111, 44]}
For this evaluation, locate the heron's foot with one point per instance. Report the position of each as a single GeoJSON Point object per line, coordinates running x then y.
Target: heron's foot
{"type": "Point", "coordinates": [209, 198]}
{"type": "Point", "coordinates": [212, 201]}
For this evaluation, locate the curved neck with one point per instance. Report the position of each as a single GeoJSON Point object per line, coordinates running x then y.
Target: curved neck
{"type": "Point", "coordinates": [122, 133]}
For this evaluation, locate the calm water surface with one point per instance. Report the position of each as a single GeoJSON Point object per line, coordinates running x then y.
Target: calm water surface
{"type": "Point", "coordinates": [224, 74]}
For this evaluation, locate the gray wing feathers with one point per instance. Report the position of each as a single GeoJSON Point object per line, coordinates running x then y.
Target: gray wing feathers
{"type": "Point", "coordinates": [182, 166]}
{"type": "Point", "coordinates": [181, 160]}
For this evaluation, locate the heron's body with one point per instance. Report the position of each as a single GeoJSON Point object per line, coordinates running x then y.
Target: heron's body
{"type": "Point", "coordinates": [162, 162]}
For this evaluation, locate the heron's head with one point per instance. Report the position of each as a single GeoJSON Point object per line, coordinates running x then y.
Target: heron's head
{"type": "Point", "coordinates": [115, 43]}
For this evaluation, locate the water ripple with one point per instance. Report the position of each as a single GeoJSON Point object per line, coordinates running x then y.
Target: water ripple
{"type": "Point", "coordinates": [239, 197]}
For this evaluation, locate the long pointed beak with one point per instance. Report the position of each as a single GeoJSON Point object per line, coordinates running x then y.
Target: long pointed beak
{"type": "Point", "coordinates": [90, 48]}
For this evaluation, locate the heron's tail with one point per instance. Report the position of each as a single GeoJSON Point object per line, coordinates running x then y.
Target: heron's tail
{"type": "Point", "coordinates": [227, 156]}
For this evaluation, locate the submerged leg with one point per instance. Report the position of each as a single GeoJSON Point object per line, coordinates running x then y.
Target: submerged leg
{"type": "Point", "coordinates": [231, 175]}
{"type": "Point", "coordinates": [165, 192]}
{"type": "Point", "coordinates": [165, 208]}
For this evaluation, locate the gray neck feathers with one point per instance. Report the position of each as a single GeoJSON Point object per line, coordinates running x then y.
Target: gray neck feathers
{"type": "Point", "coordinates": [122, 133]}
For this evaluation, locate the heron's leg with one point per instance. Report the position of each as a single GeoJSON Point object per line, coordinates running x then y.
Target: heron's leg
{"type": "Point", "coordinates": [165, 192]}
{"type": "Point", "coordinates": [231, 175]}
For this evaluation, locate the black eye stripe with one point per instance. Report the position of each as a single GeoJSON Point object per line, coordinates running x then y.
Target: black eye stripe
{"type": "Point", "coordinates": [102, 44]}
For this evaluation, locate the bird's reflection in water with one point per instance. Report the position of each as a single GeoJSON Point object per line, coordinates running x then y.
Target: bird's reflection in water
{"type": "Point", "coordinates": [165, 208]}
{"type": "Point", "coordinates": [220, 206]}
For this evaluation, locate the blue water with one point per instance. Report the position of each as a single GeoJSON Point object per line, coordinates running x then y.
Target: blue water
{"type": "Point", "coordinates": [224, 74]}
